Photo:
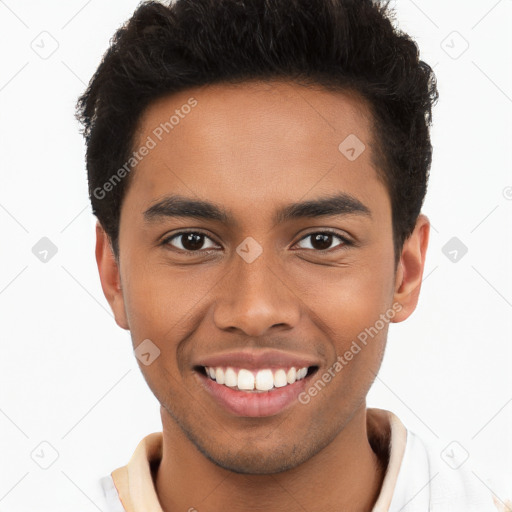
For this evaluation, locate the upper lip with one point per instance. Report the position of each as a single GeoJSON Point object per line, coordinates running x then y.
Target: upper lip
{"type": "Point", "coordinates": [253, 360]}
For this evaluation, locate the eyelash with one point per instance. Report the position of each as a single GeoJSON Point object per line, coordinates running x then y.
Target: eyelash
{"type": "Point", "coordinates": [345, 241]}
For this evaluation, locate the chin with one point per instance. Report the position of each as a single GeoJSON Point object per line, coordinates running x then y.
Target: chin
{"type": "Point", "coordinates": [254, 463]}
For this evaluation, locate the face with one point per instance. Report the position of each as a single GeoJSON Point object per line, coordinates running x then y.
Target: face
{"type": "Point", "coordinates": [247, 228]}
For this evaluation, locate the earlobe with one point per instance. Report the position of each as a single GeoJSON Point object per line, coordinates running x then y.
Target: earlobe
{"type": "Point", "coordinates": [108, 269]}
{"type": "Point", "coordinates": [410, 269]}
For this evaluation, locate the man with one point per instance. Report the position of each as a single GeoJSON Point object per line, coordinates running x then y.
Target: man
{"type": "Point", "coordinates": [257, 168]}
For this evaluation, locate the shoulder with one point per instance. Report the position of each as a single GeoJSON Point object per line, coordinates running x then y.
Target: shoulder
{"type": "Point", "coordinates": [131, 488]}
{"type": "Point", "coordinates": [442, 476]}
{"type": "Point", "coordinates": [109, 495]}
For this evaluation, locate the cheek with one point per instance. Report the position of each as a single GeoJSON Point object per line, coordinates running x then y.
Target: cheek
{"type": "Point", "coordinates": [349, 299]}
{"type": "Point", "coordinates": [348, 306]}
{"type": "Point", "coordinates": [161, 303]}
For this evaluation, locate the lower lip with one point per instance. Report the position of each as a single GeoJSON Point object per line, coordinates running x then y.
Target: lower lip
{"type": "Point", "coordinates": [251, 404]}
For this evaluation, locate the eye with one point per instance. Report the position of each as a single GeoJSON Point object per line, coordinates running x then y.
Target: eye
{"type": "Point", "coordinates": [321, 241]}
{"type": "Point", "coordinates": [189, 241]}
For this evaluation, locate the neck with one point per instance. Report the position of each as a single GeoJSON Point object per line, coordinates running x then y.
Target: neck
{"type": "Point", "coordinates": [345, 475]}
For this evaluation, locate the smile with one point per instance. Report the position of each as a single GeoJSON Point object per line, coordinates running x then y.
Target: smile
{"type": "Point", "coordinates": [258, 381]}
{"type": "Point", "coordinates": [254, 393]}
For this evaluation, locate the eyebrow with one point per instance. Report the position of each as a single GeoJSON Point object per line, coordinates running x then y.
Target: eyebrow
{"type": "Point", "coordinates": [180, 206]}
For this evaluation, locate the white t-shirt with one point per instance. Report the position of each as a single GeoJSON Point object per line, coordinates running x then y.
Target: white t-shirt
{"type": "Point", "coordinates": [420, 476]}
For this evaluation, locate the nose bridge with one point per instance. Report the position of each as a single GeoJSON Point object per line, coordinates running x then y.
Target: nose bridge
{"type": "Point", "coordinates": [255, 298]}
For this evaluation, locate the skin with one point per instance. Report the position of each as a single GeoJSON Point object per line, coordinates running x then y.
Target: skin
{"type": "Point", "coordinates": [253, 149]}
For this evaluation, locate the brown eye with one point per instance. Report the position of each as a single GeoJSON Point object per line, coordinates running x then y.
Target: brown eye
{"type": "Point", "coordinates": [189, 241]}
{"type": "Point", "coordinates": [323, 240]}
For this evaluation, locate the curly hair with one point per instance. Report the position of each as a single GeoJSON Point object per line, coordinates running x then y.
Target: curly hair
{"type": "Point", "coordinates": [336, 44]}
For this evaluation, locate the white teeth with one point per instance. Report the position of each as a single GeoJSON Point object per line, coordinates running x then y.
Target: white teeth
{"type": "Point", "coordinates": [219, 374]}
{"type": "Point", "coordinates": [262, 380]}
{"type": "Point", "coordinates": [230, 378]}
{"type": "Point", "coordinates": [245, 379]}
{"type": "Point", "coordinates": [280, 379]}
{"type": "Point", "coordinates": [302, 373]}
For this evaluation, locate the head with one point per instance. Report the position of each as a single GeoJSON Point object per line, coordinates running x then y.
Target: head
{"type": "Point", "coordinates": [294, 131]}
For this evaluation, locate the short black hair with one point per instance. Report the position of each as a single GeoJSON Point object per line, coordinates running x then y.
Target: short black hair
{"type": "Point", "coordinates": [343, 45]}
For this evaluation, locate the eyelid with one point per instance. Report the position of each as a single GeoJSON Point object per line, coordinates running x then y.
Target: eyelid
{"type": "Point", "coordinates": [168, 237]}
{"type": "Point", "coordinates": [345, 239]}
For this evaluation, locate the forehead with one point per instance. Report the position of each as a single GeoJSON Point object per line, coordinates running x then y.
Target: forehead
{"type": "Point", "coordinates": [257, 140]}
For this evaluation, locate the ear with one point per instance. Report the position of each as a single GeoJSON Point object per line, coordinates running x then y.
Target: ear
{"type": "Point", "coordinates": [410, 269]}
{"type": "Point", "coordinates": [108, 269]}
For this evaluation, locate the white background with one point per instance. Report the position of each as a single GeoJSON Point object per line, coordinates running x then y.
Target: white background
{"type": "Point", "coordinates": [67, 373]}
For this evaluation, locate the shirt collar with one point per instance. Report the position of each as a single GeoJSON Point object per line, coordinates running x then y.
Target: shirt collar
{"type": "Point", "coordinates": [135, 486]}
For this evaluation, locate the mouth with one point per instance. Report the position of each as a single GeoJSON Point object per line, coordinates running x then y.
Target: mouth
{"type": "Point", "coordinates": [254, 393]}
{"type": "Point", "coordinates": [256, 381]}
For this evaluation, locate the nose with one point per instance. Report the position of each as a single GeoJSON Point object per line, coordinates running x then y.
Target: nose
{"type": "Point", "coordinates": [256, 297]}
